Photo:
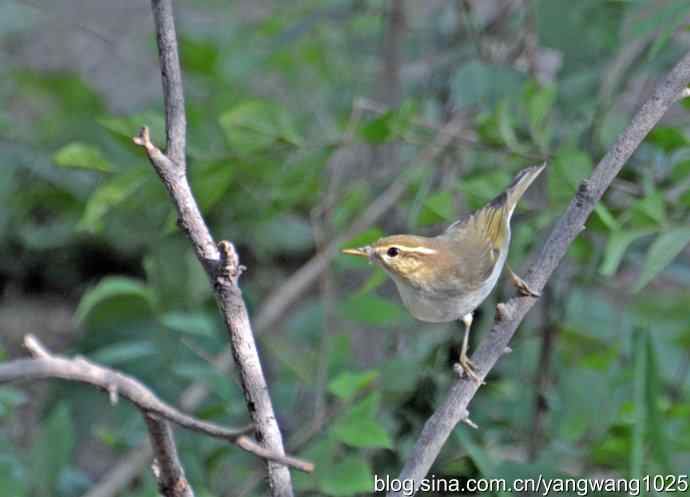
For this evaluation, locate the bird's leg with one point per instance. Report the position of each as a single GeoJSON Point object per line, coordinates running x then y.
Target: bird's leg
{"type": "Point", "coordinates": [522, 285]}
{"type": "Point", "coordinates": [465, 363]}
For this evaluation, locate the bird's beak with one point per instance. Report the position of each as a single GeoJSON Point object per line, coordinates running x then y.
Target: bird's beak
{"type": "Point", "coordinates": [361, 251]}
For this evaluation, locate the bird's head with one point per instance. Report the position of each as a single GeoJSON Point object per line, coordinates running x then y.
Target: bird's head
{"type": "Point", "coordinates": [407, 257]}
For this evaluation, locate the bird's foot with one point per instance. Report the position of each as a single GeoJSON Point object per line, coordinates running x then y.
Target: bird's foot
{"type": "Point", "coordinates": [523, 287]}
{"type": "Point", "coordinates": [465, 367]}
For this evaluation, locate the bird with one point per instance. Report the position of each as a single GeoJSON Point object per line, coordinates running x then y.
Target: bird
{"type": "Point", "coordinates": [446, 277]}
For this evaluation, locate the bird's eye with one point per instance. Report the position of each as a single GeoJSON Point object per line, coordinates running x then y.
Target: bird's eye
{"type": "Point", "coordinates": [393, 251]}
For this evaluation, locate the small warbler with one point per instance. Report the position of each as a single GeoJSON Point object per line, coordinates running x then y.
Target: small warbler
{"type": "Point", "coordinates": [446, 277]}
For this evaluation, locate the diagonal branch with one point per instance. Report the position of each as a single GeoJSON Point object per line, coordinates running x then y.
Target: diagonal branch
{"type": "Point", "coordinates": [224, 274]}
{"type": "Point", "coordinates": [167, 467]}
{"type": "Point", "coordinates": [47, 365]}
{"type": "Point", "coordinates": [509, 316]}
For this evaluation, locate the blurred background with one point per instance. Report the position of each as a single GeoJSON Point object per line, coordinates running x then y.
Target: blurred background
{"type": "Point", "coordinates": [301, 114]}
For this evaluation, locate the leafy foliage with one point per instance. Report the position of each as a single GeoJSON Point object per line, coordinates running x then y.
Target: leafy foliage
{"type": "Point", "coordinates": [280, 160]}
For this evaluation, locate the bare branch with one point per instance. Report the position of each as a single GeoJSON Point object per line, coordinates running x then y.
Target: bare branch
{"type": "Point", "coordinates": [166, 466]}
{"type": "Point", "coordinates": [189, 215]}
{"type": "Point", "coordinates": [439, 426]}
{"type": "Point", "coordinates": [222, 270]}
{"type": "Point", "coordinates": [47, 365]}
{"type": "Point", "coordinates": [173, 90]}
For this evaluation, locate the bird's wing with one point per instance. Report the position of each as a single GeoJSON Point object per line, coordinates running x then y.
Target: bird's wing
{"type": "Point", "coordinates": [479, 238]}
{"type": "Point", "coordinates": [488, 226]}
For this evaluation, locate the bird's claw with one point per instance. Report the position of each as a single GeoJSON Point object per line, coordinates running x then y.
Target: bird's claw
{"type": "Point", "coordinates": [523, 287]}
{"type": "Point", "coordinates": [465, 367]}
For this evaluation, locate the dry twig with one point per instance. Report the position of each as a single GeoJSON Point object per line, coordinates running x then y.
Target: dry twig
{"type": "Point", "coordinates": [222, 271]}
{"type": "Point", "coordinates": [47, 365]}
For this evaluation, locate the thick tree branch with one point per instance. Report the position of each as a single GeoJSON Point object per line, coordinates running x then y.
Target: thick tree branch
{"type": "Point", "coordinates": [224, 274]}
{"type": "Point", "coordinates": [46, 365]}
{"type": "Point", "coordinates": [508, 316]}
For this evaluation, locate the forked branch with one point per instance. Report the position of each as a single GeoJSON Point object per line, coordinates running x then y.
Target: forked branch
{"type": "Point", "coordinates": [47, 365]}
{"type": "Point", "coordinates": [171, 168]}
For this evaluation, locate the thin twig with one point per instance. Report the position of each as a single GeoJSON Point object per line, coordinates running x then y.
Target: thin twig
{"type": "Point", "coordinates": [47, 365]}
{"type": "Point", "coordinates": [439, 426]}
{"type": "Point", "coordinates": [166, 465]}
{"type": "Point", "coordinates": [173, 90]}
{"type": "Point", "coordinates": [167, 468]}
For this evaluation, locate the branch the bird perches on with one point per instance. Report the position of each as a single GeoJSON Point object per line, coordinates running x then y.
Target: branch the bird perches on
{"type": "Point", "coordinates": [509, 315]}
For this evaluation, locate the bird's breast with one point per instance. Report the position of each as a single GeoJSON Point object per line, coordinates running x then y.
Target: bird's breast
{"type": "Point", "coordinates": [447, 302]}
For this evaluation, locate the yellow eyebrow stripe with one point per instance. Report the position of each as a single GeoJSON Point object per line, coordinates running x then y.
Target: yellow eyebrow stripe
{"type": "Point", "coordinates": [414, 250]}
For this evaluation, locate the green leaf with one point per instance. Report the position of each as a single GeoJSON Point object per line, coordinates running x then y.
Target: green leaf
{"type": "Point", "coordinates": [108, 195]}
{"type": "Point", "coordinates": [680, 171]}
{"type": "Point", "coordinates": [377, 130]}
{"type": "Point", "coordinates": [539, 102]}
{"type": "Point", "coordinates": [353, 202]}
{"type": "Point", "coordinates": [124, 352]}
{"type": "Point", "coordinates": [82, 156]}
{"type": "Point", "coordinates": [359, 428]}
{"type": "Point", "coordinates": [667, 138]}
{"type": "Point", "coordinates": [486, 464]}
{"type": "Point", "coordinates": [346, 385]}
{"type": "Point", "coordinates": [639, 400]}
{"type": "Point", "coordinates": [378, 277]}
{"type": "Point", "coordinates": [322, 450]}
{"type": "Point", "coordinates": [373, 310]}
{"type": "Point", "coordinates": [254, 125]}
{"type": "Point", "coordinates": [477, 82]}
{"type": "Point", "coordinates": [124, 128]}
{"type": "Point", "coordinates": [437, 207]}
{"type": "Point", "coordinates": [653, 394]}
{"type": "Point", "coordinates": [365, 237]}
{"type": "Point", "coordinates": [617, 244]}
{"type": "Point", "coordinates": [52, 449]}
{"type": "Point", "coordinates": [210, 182]}
{"type": "Point", "coordinates": [284, 234]}
{"type": "Point", "coordinates": [349, 476]}
{"type": "Point", "coordinates": [199, 56]}
{"type": "Point", "coordinates": [605, 216]}
{"type": "Point", "coordinates": [191, 323]}
{"type": "Point", "coordinates": [109, 288]}
{"type": "Point", "coordinates": [362, 433]}
{"type": "Point", "coordinates": [650, 210]}
{"type": "Point", "coordinates": [10, 398]}
{"type": "Point", "coordinates": [506, 126]}
{"type": "Point", "coordinates": [570, 167]}
{"type": "Point", "coordinates": [670, 19]}
{"type": "Point", "coordinates": [662, 251]}
{"type": "Point", "coordinates": [15, 477]}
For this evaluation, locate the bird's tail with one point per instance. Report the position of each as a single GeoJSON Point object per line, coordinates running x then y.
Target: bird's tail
{"type": "Point", "coordinates": [519, 186]}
